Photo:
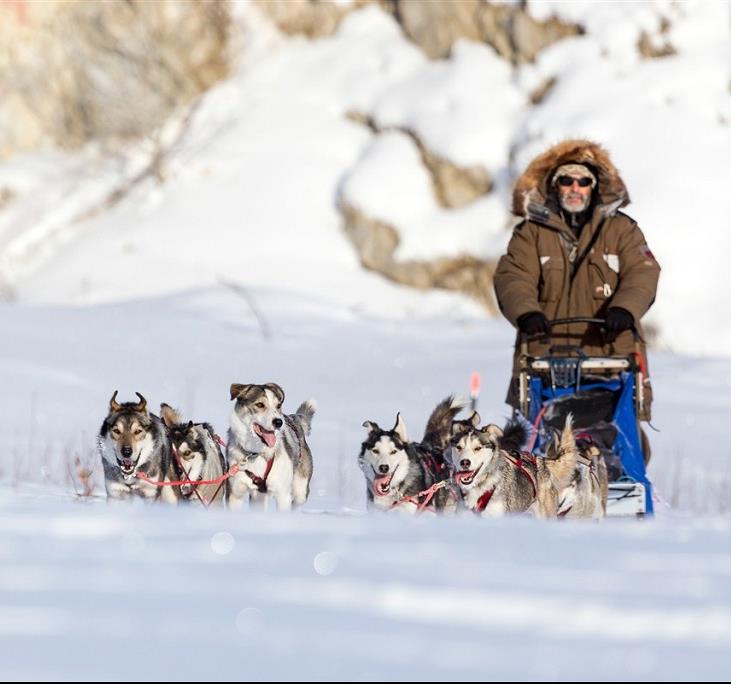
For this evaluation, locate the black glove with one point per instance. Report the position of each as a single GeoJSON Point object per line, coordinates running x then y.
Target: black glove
{"type": "Point", "coordinates": [534, 322]}
{"type": "Point", "coordinates": [618, 320]}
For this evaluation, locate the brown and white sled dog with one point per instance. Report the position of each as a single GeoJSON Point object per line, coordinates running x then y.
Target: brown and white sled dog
{"type": "Point", "coordinates": [495, 478]}
{"type": "Point", "coordinates": [399, 474]}
{"type": "Point", "coordinates": [134, 446]}
{"type": "Point", "coordinates": [585, 496]}
{"type": "Point", "coordinates": [556, 470]}
{"type": "Point", "coordinates": [269, 448]}
{"type": "Point", "coordinates": [195, 456]}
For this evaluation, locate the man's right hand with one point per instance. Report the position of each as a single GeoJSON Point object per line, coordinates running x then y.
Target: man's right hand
{"type": "Point", "coordinates": [533, 323]}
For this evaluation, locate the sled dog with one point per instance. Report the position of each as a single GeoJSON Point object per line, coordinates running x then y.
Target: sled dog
{"type": "Point", "coordinates": [196, 456]}
{"type": "Point", "coordinates": [134, 448]}
{"type": "Point", "coordinates": [404, 475]}
{"type": "Point", "coordinates": [269, 448]}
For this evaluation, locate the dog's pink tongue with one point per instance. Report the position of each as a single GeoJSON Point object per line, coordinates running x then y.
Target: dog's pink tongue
{"type": "Point", "coordinates": [463, 475]}
{"type": "Point", "coordinates": [384, 480]}
{"type": "Point", "coordinates": [269, 437]}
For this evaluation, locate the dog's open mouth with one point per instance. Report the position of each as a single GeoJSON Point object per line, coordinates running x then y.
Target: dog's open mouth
{"type": "Point", "coordinates": [126, 465]}
{"type": "Point", "coordinates": [269, 437]}
{"type": "Point", "coordinates": [466, 477]}
{"type": "Point", "coordinates": [382, 485]}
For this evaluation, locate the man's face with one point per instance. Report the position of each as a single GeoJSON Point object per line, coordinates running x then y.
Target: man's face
{"type": "Point", "coordinates": [572, 195]}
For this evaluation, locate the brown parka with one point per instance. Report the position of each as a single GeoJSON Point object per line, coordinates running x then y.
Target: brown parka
{"type": "Point", "coordinates": [547, 269]}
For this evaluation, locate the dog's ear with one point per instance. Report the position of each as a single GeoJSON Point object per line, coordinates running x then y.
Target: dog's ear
{"type": "Point", "coordinates": [113, 405]}
{"type": "Point", "coordinates": [400, 428]}
{"type": "Point", "coordinates": [492, 431]}
{"type": "Point", "coordinates": [169, 415]}
{"type": "Point", "coordinates": [372, 427]}
{"type": "Point", "coordinates": [475, 419]}
{"type": "Point", "coordinates": [238, 389]}
{"type": "Point", "coordinates": [276, 390]}
{"type": "Point", "coordinates": [141, 405]}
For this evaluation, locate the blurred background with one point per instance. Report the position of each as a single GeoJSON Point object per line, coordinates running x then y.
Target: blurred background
{"type": "Point", "coordinates": [389, 131]}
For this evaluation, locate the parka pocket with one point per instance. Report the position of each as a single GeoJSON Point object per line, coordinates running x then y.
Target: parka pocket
{"type": "Point", "coordinates": [552, 280]}
{"type": "Point", "coordinates": [603, 279]}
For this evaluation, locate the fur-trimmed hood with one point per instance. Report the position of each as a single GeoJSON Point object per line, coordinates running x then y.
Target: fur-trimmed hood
{"type": "Point", "coordinates": [532, 188]}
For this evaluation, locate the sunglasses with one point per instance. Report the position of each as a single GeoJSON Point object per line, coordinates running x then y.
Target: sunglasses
{"type": "Point", "coordinates": [568, 181]}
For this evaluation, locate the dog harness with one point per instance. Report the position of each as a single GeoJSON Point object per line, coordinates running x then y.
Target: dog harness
{"type": "Point", "coordinates": [482, 502]}
{"type": "Point", "coordinates": [428, 495]}
{"type": "Point", "coordinates": [261, 482]}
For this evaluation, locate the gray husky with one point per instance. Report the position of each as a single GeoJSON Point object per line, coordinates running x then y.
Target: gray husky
{"type": "Point", "coordinates": [585, 496]}
{"type": "Point", "coordinates": [134, 447]}
{"type": "Point", "coordinates": [268, 447]}
{"type": "Point", "coordinates": [196, 456]}
{"type": "Point", "coordinates": [496, 478]}
{"type": "Point", "coordinates": [400, 474]}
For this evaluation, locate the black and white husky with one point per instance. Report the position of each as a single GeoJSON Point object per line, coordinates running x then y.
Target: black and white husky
{"type": "Point", "coordinates": [135, 452]}
{"type": "Point", "coordinates": [269, 448]}
{"type": "Point", "coordinates": [496, 478]}
{"type": "Point", "coordinates": [399, 473]}
{"type": "Point", "coordinates": [196, 456]}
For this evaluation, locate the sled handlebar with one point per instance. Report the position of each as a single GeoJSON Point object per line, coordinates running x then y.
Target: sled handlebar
{"type": "Point", "coordinates": [577, 319]}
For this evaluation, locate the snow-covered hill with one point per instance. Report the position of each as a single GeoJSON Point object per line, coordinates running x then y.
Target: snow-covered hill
{"type": "Point", "coordinates": [254, 172]}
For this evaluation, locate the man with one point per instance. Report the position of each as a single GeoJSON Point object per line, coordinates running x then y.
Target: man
{"type": "Point", "coordinates": [575, 254]}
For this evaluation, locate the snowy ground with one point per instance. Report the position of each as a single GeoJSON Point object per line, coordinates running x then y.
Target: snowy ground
{"type": "Point", "coordinates": [91, 592]}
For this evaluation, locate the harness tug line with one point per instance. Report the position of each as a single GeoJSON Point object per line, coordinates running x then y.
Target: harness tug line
{"type": "Point", "coordinates": [196, 483]}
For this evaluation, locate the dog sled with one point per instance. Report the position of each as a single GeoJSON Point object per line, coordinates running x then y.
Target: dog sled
{"type": "Point", "coordinates": [605, 394]}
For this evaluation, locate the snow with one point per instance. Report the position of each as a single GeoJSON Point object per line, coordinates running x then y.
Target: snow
{"type": "Point", "coordinates": [390, 184]}
{"type": "Point", "coordinates": [236, 269]}
{"type": "Point", "coordinates": [453, 106]}
{"type": "Point", "coordinates": [157, 593]}
{"type": "Point", "coordinates": [226, 197]}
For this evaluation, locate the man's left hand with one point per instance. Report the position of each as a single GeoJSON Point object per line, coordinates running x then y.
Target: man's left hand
{"type": "Point", "coordinates": [617, 320]}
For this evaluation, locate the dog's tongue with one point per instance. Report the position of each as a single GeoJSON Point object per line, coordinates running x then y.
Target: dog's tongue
{"type": "Point", "coordinates": [463, 475]}
{"type": "Point", "coordinates": [382, 484]}
{"type": "Point", "coordinates": [268, 436]}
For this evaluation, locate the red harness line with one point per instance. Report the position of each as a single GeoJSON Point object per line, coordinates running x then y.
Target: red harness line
{"type": "Point", "coordinates": [428, 495]}
{"type": "Point", "coordinates": [193, 483]}
{"type": "Point", "coordinates": [482, 502]}
{"type": "Point", "coordinates": [177, 483]}
{"type": "Point", "coordinates": [518, 463]}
